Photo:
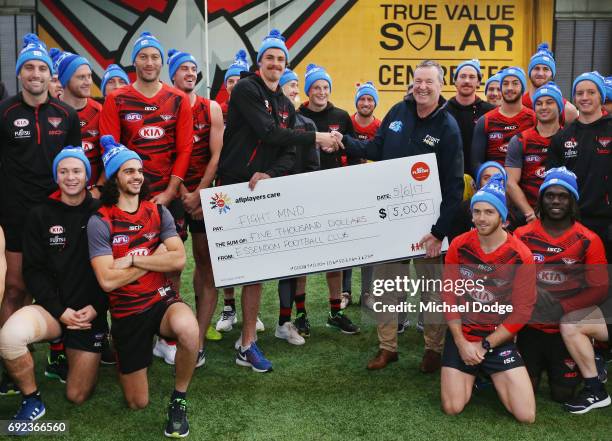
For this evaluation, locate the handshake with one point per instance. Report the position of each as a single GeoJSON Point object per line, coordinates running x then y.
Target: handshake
{"type": "Point", "coordinates": [329, 142]}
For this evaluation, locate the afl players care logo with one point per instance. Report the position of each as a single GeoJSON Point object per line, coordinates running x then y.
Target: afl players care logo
{"type": "Point", "coordinates": [21, 122]}
{"type": "Point", "coordinates": [420, 171]}
{"type": "Point", "coordinates": [221, 202]}
{"type": "Point", "coordinates": [151, 132]}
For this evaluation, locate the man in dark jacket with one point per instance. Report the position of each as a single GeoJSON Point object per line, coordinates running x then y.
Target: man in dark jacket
{"type": "Point", "coordinates": [259, 143]}
{"type": "Point", "coordinates": [466, 107]}
{"type": "Point", "coordinates": [69, 303]}
{"type": "Point", "coordinates": [417, 125]}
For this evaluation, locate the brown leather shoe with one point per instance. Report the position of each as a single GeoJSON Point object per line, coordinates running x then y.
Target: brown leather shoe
{"type": "Point", "coordinates": [431, 362]}
{"type": "Point", "coordinates": [382, 359]}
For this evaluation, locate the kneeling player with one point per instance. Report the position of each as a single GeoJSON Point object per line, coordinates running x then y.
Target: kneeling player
{"type": "Point", "coordinates": [132, 244]}
{"type": "Point", "coordinates": [68, 300]}
{"type": "Point", "coordinates": [483, 341]}
{"type": "Point", "coordinates": [564, 246]}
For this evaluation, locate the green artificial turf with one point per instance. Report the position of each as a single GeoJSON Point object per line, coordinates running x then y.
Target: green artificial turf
{"type": "Point", "coordinates": [319, 391]}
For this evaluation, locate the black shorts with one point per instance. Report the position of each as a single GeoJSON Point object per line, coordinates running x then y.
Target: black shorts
{"type": "Point", "coordinates": [89, 340]}
{"type": "Point", "coordinates": [177, 211]}
{"type": "Point", "coordinates": [133, 336]}
{"type": "Point", "coordinates": [13, 236]}
{"type": "Point", "coordinates": [502, 358]}
{"type": "Point", "coordinates": [546, 352]}
{"type": "Point", "coordinates": [195, 225]}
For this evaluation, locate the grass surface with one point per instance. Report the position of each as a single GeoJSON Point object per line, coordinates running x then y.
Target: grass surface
{"type": "Point", "coordinates": [319, 391]}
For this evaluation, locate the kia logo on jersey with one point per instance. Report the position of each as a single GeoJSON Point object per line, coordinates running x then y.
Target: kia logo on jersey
{"type": "Point", "coordinates": [551, 277]}
{"type": "Point", "coordinates": [133, 117]}
{"type": "Point", "coordinates": [56, 229]}
{"type": "Point", "coordinates": [151, 132]}
{"type": "Point", "coordinates": [138, 252]}
{"type": "Point", "coordinates": [21, 122]}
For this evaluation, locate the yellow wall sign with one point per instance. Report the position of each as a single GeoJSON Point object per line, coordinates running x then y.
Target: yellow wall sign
{"type": "Point", "coordinates": [383, 41]}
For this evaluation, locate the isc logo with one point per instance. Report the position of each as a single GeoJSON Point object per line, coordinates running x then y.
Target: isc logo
{"type": "Point", "coordinates": [151, 132]}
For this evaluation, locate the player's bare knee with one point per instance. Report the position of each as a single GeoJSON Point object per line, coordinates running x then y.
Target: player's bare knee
{"type": "Point", "coordinates": [525, 416]}
{"type": "Point", "coordinates": [137, 402]}
{"type": "Point", "coordinates": [452, 407]}
{"type": "Point", "coordinates": [12, 343]}
{"type": "Point", "coordinates": [568, 329]}
{"type": "Point", "coordinates": [77, 395]}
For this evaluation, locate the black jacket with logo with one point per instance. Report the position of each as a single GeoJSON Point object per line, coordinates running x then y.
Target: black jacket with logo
{"type": "Point", "coordinates": [259, 135]}
{"type": "Point", "coordinates": [328, 119]}
{"type": "Point", "coordinates": [30, 138]}
{"type": "Point", "coordinates": [56, 266]}
{"type": "Point", "coordinates": [586, 149]}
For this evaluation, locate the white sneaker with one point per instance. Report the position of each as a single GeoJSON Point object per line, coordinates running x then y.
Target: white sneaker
{"type": "Point", "coordinates": [259, 326]}
{"type": "Point", "coordinates": [226, 320]}
{"type": "Point", "coordinates": [239, 342]}
{"type": "Point", "coordinates": [165, 351]}
{"type": "Point", "coordinates": [288, 331]}
{"type": "Point", "coordinates": [201, 360]}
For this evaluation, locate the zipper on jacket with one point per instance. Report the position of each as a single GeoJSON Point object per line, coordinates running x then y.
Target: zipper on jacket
{"type": "Point", "coordinates": [253, 154]}
{"type": "Point", "coordinates": [37, 125]}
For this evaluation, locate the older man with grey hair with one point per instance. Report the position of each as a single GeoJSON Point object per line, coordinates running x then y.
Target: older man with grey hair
{"type": "Point", "coordinates": [417, 125]}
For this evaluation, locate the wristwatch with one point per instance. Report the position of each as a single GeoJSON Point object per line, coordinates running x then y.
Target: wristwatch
{"type": "Point", "coordinates": [486, 345]}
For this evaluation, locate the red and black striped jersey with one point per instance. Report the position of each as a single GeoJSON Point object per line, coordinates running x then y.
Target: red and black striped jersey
{"type": "Point", "coordinates": [159, 129]}
{"type": "Point", "coordinates": [570, 267]}
{"type": "Point", "coordinates": [89, 119]}
{"type": "Point", "coordinates": [365, 133]}
{"type": "Point", "coordinates": [527, 102]}
{"type": "Point", "coordinates": [200, 154]}
{"type": "Point", "coordinates": [505, 277]}
{"type": "Point", "coordinates": [535, 149]}
{"type": "Point", "coordinates": [500, 129]}
{"type": "Point", "coordinates": [136, 234]}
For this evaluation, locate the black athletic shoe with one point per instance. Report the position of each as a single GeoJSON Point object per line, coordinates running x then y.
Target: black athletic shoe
{"type": "Point", "coordinates": [108, 355]}
{"type": "Point", "coordinates": [177, 425]}
{"type": "Point", "coordinates": [342, 323]}
{"type": "Point", "coordinates": [587, 400]}
{"type": "Point", "coordinates": [57, 368]}
{"type": "Point", "coordinates": [302, 324]}
{"type": "Point", "coordinates": [8, 386]}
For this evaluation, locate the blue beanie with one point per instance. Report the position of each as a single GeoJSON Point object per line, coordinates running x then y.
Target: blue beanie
{"type": "Point", "coordinates": [115, 155]}
{"type": "Point", "coordinates": [273, 40]}
{"type": "Point", "coordinates": [112, 71]}
{"type": "Point", "coordinates": [367, 88]}
{"type": "Point", "coordinates": [513, 72]}
{"type": "Point", "coordinates": [608, 83]}
{"type": "Point", "coordinates": [488, 164]}
{"type": "Point", "coordinates": [176, 58]}
{"type": "Point", "coordinates": [552, 90]}
{"type": "Point", "coordinates": [563, 177]}
{"type": "Point", "coordinates": [71, 152]}
{"type": "Point", "coordinates": [492, 79]}
{"type": "Point", "coordinates": [289, 75]}
{"type": "Point", "coordinates": [314, 73]}
{"type": "Point", "coordinates": [543, 56]}
{"type": "Point", "coordinates": [494, 193]}
{"type": "Point", "coordinates": [147, 39]}
{"type": "Point", "coordinates": [65, 64]}
{"type": "Point", "coordinates": [33, 49]}
{"type": "Point", "coordinates": [239, 65]}
{"type": "Point", "coordinates": [475, 63]}
{"type": "Point", "coordinates": [596, 78]}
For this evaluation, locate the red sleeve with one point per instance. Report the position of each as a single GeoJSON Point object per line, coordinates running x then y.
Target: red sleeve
{"type": "Point", "coordinates": [451, 265]}
{"type": "Point", "coordinates": [523, 292]}
{"type": "Point", "coordinates": [184, 139]}
{"type": "Point", "coordinates": [596, 278]}
{"type": "Point", "coordinates": [109, 119]}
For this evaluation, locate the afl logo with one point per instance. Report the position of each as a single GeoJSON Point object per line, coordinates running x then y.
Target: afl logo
{"type": "Point", "coordinates": [120, 239]}
{"type": "Point", "coordinates": [538, 258]}
{"type": "Point", "coordinates": [420, 171]}
{"type": "Point", "coordinates": [87, 146]}
{"type": "Point", "coordinates": [532, 158]}
{"type": "Point", "coordinates": [496, 135]}
{"type": "Point", "coordinates": [466, 273]}
{"type": "Point", "coordinates": [133, 117]}
{"type": "Point", "coordinates": [56, 229]}
{"type": "Point", "coordinates": [21, 122]}
{"type": "Point", "coordinates": [151, 132]}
